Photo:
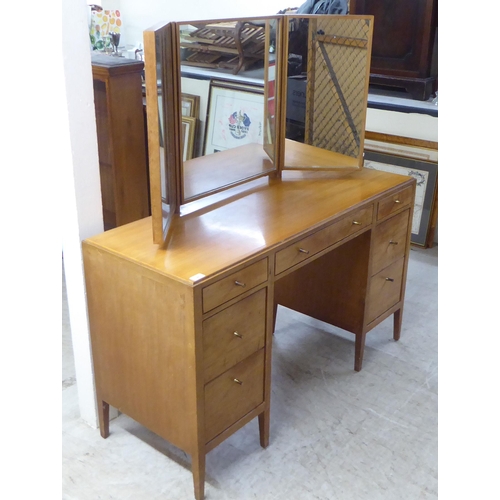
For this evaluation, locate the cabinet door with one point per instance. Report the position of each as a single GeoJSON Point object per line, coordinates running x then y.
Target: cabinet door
{"type": "Point", "coordinates": [403, 35]}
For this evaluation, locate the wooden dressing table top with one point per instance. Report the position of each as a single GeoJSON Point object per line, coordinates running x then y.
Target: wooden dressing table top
{"type": "Point", "coordinates": [247, 220]}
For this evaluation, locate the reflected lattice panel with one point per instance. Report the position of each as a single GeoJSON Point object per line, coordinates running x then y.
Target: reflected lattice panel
{"type": "Point", "coordinates": [338, 59]}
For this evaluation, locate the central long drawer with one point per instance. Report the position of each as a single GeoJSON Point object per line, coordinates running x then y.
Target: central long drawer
{"type": "Point", "coordinates": [310, 245]}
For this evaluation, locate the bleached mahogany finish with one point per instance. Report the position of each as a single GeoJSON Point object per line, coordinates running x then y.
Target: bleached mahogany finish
{"type": "Point", "coordinates": [182, 305]}
{"type": "Point", "coordinates": [182, 332]}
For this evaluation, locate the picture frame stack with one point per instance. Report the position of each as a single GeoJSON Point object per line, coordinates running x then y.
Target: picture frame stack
{"type": "Point", "coordinates": [419, 159]}
{"type": "Point", "coordinates": [190, 107]}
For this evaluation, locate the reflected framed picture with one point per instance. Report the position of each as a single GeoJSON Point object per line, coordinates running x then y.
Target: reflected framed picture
{"type": "Point", "coordinates": [188, 137]}
{"type": "Point", "coordinates": [235, 117]}
{"type": "Point", "coordinates": [190, 105]}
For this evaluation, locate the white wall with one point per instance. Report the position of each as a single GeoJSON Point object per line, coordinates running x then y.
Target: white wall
{"type": "Point", "coordinates": [81, 201]}
{"type": "Point", "coordinates": [415, 125]}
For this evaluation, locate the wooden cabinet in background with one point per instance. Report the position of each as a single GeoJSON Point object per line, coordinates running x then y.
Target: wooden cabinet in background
{"type": "Point", "coordinates": [121, 139]}
{"type": "Point", "coordinates": [403, 42]}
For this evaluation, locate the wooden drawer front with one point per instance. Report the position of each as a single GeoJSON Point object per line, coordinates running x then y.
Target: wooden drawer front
{"type": "Point", "coordinates": [389, 241]}
{"type": "Point", "coordinates": [233, 334]}
{"type": "Point", "coordinates": [307, 247]}
{"type": "Point", "coordinates": [233, 394]}
{"type": "Point", "coordinates": [385, 290]}
{"type": "Point", "coordinates": [395, 202]}
{"type": "Point", "coordinates": [235, 284]}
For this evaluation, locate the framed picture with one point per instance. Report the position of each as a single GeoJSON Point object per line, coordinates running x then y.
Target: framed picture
{"type": "Point", "coordinates": [188, 137]}
{"type": "Point", "coordinates": [235, 117]}
{"type": "Point", "coordinates": [426, 174]}
{"type": "Point", "coordinates": [231, 84]}
{"type": "Point", "coordinates": [402, 146]}
{"type": "Point", "coordinates": [190, 105]}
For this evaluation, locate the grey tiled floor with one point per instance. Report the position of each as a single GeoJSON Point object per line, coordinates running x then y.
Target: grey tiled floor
{"type": "Point", "coordinates": [335, 433]}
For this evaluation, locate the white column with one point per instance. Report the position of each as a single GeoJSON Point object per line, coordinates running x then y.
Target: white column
{"type": "Point", "coordinates": [82, 206]}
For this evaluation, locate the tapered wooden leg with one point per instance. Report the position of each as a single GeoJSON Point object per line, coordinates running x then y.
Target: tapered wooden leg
{"type": "Point", "coordinates": [103, 413]}
{"type": "Point", "coordinates": [198, 467]}
{"type": "Point", "coordinates": [398, 321]}
{"type": "Point", "coordinates": [275, 313]}
{"type": "Point", "coordinates": [264, 426]}
{"type": "Point", "coordinates": [359, 350]}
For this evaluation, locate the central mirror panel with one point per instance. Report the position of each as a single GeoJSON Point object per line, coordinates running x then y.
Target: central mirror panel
{"type": "Point", "coordinates": [233, 100]}
{"type": "Point", "coordinates": [228, 71]}
{"type": "Point", "coordinates": [326, 91]}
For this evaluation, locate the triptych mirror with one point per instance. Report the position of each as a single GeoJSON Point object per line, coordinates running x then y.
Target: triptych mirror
{"type": "Point", "coordinates": [232, 100]}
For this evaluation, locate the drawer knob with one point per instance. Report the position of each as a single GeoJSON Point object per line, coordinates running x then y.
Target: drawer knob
{"type": "Point", "coordinates": [236, 334]}
{"type": "Point", "coordinates": [393, 242]}
{"type": "Point", "coordinates": [238, 381]}
{"type": "Point", "coordinates": [303, 250]}
{"type": "Point", "coordinates": [356, 223]}
{"type": "Point", "coordinates": [239, 283]}
{"type": "Point", "coordinates": [397, 201]}
{"type": "Point", "coordinates": [389, 279]}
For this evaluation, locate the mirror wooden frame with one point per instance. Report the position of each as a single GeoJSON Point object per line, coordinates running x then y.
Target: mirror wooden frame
{"type": "Point", "coordinates": [163, 80]}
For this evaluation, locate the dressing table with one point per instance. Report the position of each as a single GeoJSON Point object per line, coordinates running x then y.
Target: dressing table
{"type": "Point", "coordinates": [182, 304]}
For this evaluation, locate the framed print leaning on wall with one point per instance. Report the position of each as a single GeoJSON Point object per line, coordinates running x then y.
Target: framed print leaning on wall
{"type": "Point", "coordinates": [188, 137]}
{"type": "Point", "coordinates": [402, 146]}
{"type": "Point", "coordinates": [425, 173]}
{"type": "Point", "coordinates": [190, 105]}
{"type": "Point", "coordinates": [235, 117]}
{"type": "Point", "coordinates": [415, 157]}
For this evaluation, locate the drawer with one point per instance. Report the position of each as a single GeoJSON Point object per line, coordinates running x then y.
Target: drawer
{"type": "Point", "coordinates": [389, 241]}
{"type": "Point", "coordinates": [233, 285]}
{"type": "Point", "coordinates": [233, 394]}
{"type": "Point", "coordinates": [233, 334]}
{"type": "Point", "coordinates": [384, 290]}
{"type": "Point", "coordinates": [395, 202]}
{"type": "Point", "coordinates": [307, 247]}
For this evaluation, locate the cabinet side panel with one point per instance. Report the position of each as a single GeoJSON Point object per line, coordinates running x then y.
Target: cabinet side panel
{"type": "Point", "coordinates": [101, 114]}
{"type": "Point", "coordinates": [142, 331]}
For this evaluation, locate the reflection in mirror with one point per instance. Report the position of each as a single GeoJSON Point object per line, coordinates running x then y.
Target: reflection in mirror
{"type": "Point", "coordinates": [270, 97]}
{"type": "Point", "coordinates": [327, 86]}
{"type": "Point", "coordinates": [228, 70]}
{"type": "Point", "coordinates": [166, 109]}
{"type": "Point", "coordinates": [161, 129]}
